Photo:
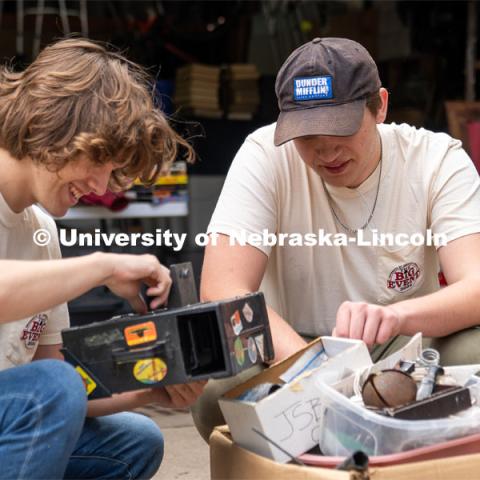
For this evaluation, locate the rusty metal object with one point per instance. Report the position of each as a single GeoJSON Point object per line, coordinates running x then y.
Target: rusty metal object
{"type": "Point", "coordinates": [439, 405]}
{"type": "Point", "coordinates": [389, 388]}
{"type": "Point", "coordinates": [184, 289]}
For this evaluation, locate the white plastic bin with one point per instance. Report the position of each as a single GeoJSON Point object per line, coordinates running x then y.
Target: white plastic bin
{"type": "Point", "coordinates": [346, 427]}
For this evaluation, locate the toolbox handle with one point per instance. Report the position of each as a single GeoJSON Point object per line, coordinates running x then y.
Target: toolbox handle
{"type": "Point", "coordinates": [121, 355]}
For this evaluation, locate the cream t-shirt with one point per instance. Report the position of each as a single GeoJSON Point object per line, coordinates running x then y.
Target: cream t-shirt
{"type": "Point", "coordinates": [19, 339]}
{"type": "Point", "coordinates": [427, 182]}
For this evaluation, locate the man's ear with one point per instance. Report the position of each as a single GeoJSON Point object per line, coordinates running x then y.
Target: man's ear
{"type": "Point", "coordinates": [382, 111]}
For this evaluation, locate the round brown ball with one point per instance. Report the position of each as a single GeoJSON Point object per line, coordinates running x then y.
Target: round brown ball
{"type": "Point", "coordinates": [389, 388]}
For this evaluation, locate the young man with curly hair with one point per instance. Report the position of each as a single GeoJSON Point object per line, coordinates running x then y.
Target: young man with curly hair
{"type": "Point", "coordinates": [79, 119]}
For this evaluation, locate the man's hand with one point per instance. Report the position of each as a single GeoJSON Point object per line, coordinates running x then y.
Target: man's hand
{"type": "Point", "coordinates": [178, 396]}
{"type": "Point", "coordinates": [170, 396]}
{"type": "Point", "coordinates": [370, 323]}
{"type": "Point", "coordinates": [128, 272]}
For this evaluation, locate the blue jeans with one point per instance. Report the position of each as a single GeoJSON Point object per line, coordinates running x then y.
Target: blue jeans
{"type": "Point", "coordinates": [44, 434]}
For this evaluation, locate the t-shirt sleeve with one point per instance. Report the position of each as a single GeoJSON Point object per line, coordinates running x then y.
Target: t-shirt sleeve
{"type": "Point", "coordinates": [247, 204]}
{"type": "Point", "coordinates": [58, 317]}
{"type": "Point", "coordinates": [455, 196]}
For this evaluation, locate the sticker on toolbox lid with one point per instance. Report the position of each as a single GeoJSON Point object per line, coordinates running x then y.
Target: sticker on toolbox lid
{"type": "Point", "coordinates": [150, 370]}
{"type": "Point", "coordinates": [236, 322]}
{"type": "Point", "coordinates": [247, 313]}
{"type": "Point", "coordinates": [90, 385]}
{"type": "Point", "coordinates": [260, 346]}
{"type": "Point", "coordinates": [140, 333]}
{"type": "Point", "coordinates": [252, 350]}
{"type": "Point", "coordinates": [239, 351]}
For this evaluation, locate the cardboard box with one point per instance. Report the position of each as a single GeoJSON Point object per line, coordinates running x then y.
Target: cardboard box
{"type": "Point", "coordinates": [229, 461]}
{"type": "Point", "coordinates": [289, 416]}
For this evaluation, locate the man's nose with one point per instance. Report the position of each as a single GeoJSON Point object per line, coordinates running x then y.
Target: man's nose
{"type": "Point", "coordinates": [327, 153]}
{"type": "Point", "coordinates": [98, 182]}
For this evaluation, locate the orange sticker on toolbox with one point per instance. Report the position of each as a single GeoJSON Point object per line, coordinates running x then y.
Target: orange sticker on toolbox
{"type": "Point", "coordinates": [236, 322]}
{"type": "Point", "coordinates": [90, 385]}
{"type": "Point", "coordinates": [140, 333]}
{"type": "Point", "coordinates": [150, 370]}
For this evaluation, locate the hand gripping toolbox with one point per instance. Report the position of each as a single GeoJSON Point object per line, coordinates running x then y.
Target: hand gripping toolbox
{"type": "Point", "coordinates": [170, 346]}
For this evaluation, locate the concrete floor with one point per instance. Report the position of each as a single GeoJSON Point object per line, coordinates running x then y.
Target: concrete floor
{"type": "Point", "coordinates": [186, 453]}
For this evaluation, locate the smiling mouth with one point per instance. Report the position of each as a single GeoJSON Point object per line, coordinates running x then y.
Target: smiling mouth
{"type": "Point", "coordinates": [75, 192]}
{"type": "Point", "coordinates": [337, 168]}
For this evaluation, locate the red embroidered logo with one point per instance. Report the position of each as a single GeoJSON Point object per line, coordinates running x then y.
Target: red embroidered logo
{"type": "Point", "coordinates": [403, 278]}
{"type": "Point", "coordinates": [31, 333]}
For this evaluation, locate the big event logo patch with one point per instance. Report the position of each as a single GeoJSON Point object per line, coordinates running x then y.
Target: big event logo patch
{"type": "Point", "coordinates": [403, 277]}
{"type": "Point", "coordinates": [33, 330]}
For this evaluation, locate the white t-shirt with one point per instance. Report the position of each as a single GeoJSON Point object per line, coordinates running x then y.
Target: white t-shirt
{"type": "Point", "coordinates": [427, 182]}
{"type": "Point", "coordinates": [19, 339]}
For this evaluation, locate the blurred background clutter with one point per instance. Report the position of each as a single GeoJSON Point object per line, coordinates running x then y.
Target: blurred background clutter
{"type": "Point", "coordinates": [214, 65]}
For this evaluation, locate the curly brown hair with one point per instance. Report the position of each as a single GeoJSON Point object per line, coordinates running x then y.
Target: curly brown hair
{"type": "Point", "coordinates": [81, 97]}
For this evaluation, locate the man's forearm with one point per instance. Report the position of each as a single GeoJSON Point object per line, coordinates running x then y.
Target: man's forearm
{"type": "Point", "coordinates": [119, 403]}
{"type": "Point", "coordinates": [449, 310]}
{"type": "Point", "coordinates": [286, 340]}
{"type": "Point", "coordinates": [29, 287]}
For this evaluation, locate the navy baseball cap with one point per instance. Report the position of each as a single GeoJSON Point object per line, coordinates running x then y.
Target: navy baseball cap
{"type": "Point", "coordinates": [322, 89]}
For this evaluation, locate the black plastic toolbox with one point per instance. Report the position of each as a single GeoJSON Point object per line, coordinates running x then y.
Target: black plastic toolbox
{"type": "Point", "coordinates": [170, 346]}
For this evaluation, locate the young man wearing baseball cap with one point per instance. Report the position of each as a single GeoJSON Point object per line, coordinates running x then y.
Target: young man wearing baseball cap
{"type": "Point", "coordinates": [330, 166]}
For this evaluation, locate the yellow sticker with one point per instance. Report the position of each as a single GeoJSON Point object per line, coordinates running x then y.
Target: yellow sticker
{"type": "Point", "coordinates": [150, 370]}
{"type": "Point", "coordinates": [140, 333]}
{"type": "Point", "coordinates": [175, 179]}
{"type": "Point", "coordinates": [90, 385]}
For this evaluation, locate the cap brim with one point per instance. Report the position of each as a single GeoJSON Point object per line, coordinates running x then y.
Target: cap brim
{"type": "Point", "coordinates": [336, 120]}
